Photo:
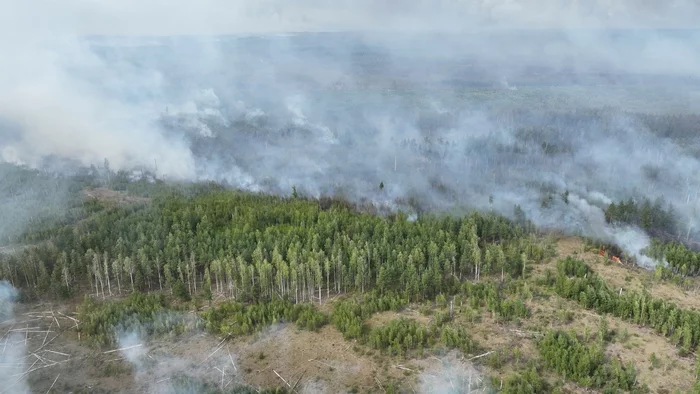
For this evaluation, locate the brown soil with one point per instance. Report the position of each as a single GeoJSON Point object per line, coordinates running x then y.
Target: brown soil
{"type": "Point", "coordinates": [322, 360]}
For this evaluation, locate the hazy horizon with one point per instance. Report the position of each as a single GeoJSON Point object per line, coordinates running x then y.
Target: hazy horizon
{"type": "Point", "coordinates": [177, 17]}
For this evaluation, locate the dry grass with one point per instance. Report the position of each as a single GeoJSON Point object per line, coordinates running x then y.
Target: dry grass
{"type": "Point", "coordinates": [627, 277]}
{"type": "Point", "coordinates": [112, 196]}
{"type": "Point", "coordinates": [641, 342]}
{"type": "Point", "coordinates": [552, 312]}
{"type": "Point", "coordinates": [322, 360]}
{"type": "Point", "coordinates": [383, 318]}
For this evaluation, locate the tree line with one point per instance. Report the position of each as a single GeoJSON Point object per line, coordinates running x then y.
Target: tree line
{"type": "Point", "coordinates": [656, 218]}
{"type": "Point", "coordinates": [252, 247]}
{"type": "Point", "coordinates": [681, 260]}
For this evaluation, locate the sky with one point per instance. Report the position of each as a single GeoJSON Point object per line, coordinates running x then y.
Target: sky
{"type": "Point", "coordinates": [183, 17]}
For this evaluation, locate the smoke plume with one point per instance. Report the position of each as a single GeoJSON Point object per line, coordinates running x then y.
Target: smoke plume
{"type": "Point", "coordinates": [445, 104]}
{"type": "Point", "coordinates": [452, 375]}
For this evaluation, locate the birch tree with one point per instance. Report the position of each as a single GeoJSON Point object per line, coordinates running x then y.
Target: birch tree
{"type": "Point", "coordinates": [97, 271]}
{"type": "Point", "coordinates": [105, 262]}
{"type": "Point", "coordinates": [117, 270]}
{"type": "Point", "coordinates": [129, 268]}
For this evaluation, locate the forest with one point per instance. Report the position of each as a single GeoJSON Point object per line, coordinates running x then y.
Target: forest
{"type": "Point", "coordinates": [456, 207]}
{"type": "Point", "coordinates": [250, 261]}
{"type": "Point", "coordinates": [254, 247]}
{"type": "Point", "coordinates": [655, 218]}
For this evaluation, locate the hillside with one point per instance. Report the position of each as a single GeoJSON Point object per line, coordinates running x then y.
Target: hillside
{"type": "Point", "coordinates": [214, 289]}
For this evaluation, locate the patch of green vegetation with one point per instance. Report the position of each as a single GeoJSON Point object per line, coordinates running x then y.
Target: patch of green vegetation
{"type": "Point", "coordinates": [585, 363]}
{"type": "Point", "coordinates": [528, 382]}
{"type": "Point", "coordinates": [143, 314]}
{"type": "Point", "coordinates": [681, 260]}
{"type": "Point", "coordinates": [349, 315]}
{"type": "Point", "coordinates": [233, 318]}
{"type": "Point", "coordinates": [680, 326]}
{"type": "Point", "coordinates": [398, 337]}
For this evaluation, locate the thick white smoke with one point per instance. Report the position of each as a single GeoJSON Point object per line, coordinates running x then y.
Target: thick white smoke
{"type": "Point", "coordinates": [60, 101]}
{"type": "Point", "coordinates": [631, 239]}
{"type": "Point", "coordinates": [452, 375]}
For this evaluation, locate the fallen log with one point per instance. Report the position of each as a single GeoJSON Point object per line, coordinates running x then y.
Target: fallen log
{"type": "Point", "coordinates": [124, 348]}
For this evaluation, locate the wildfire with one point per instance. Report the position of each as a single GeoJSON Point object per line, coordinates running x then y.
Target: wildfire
{"type": "Point", "coordinates": [613, 258]}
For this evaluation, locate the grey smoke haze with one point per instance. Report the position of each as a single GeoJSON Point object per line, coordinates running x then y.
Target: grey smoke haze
{"type": "Point", "coordinates": [27, 196]}
{"type": "Point", "coordinates": [162, 17]}
{"type": "Point", "coordinates": [415, 98]}
{"type": "Point", "coordinates": [8, 294]}
{"type": "Point", "coordinates": [158, 367]}
{"type": "Point", "coordinates": [13, 356]}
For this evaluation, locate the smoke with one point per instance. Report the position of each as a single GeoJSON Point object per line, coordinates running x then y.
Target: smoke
{"type": "Point", "coordinates": [452, 375]}
{"type": "Point", "coordinates": [153, 372]}
{"type": "Point", "coordinates": [188, 363]}
{"type": "Point", "coordinates": [54, 93]}
{"type": "Point", "coordinates": [131, 345]}
{"type": "Point", "coordinates": [420, 97]}
{"type": "Point", "coordinates": [13, 356]}
{"type": "Point", "coordinates": [29, 196]}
